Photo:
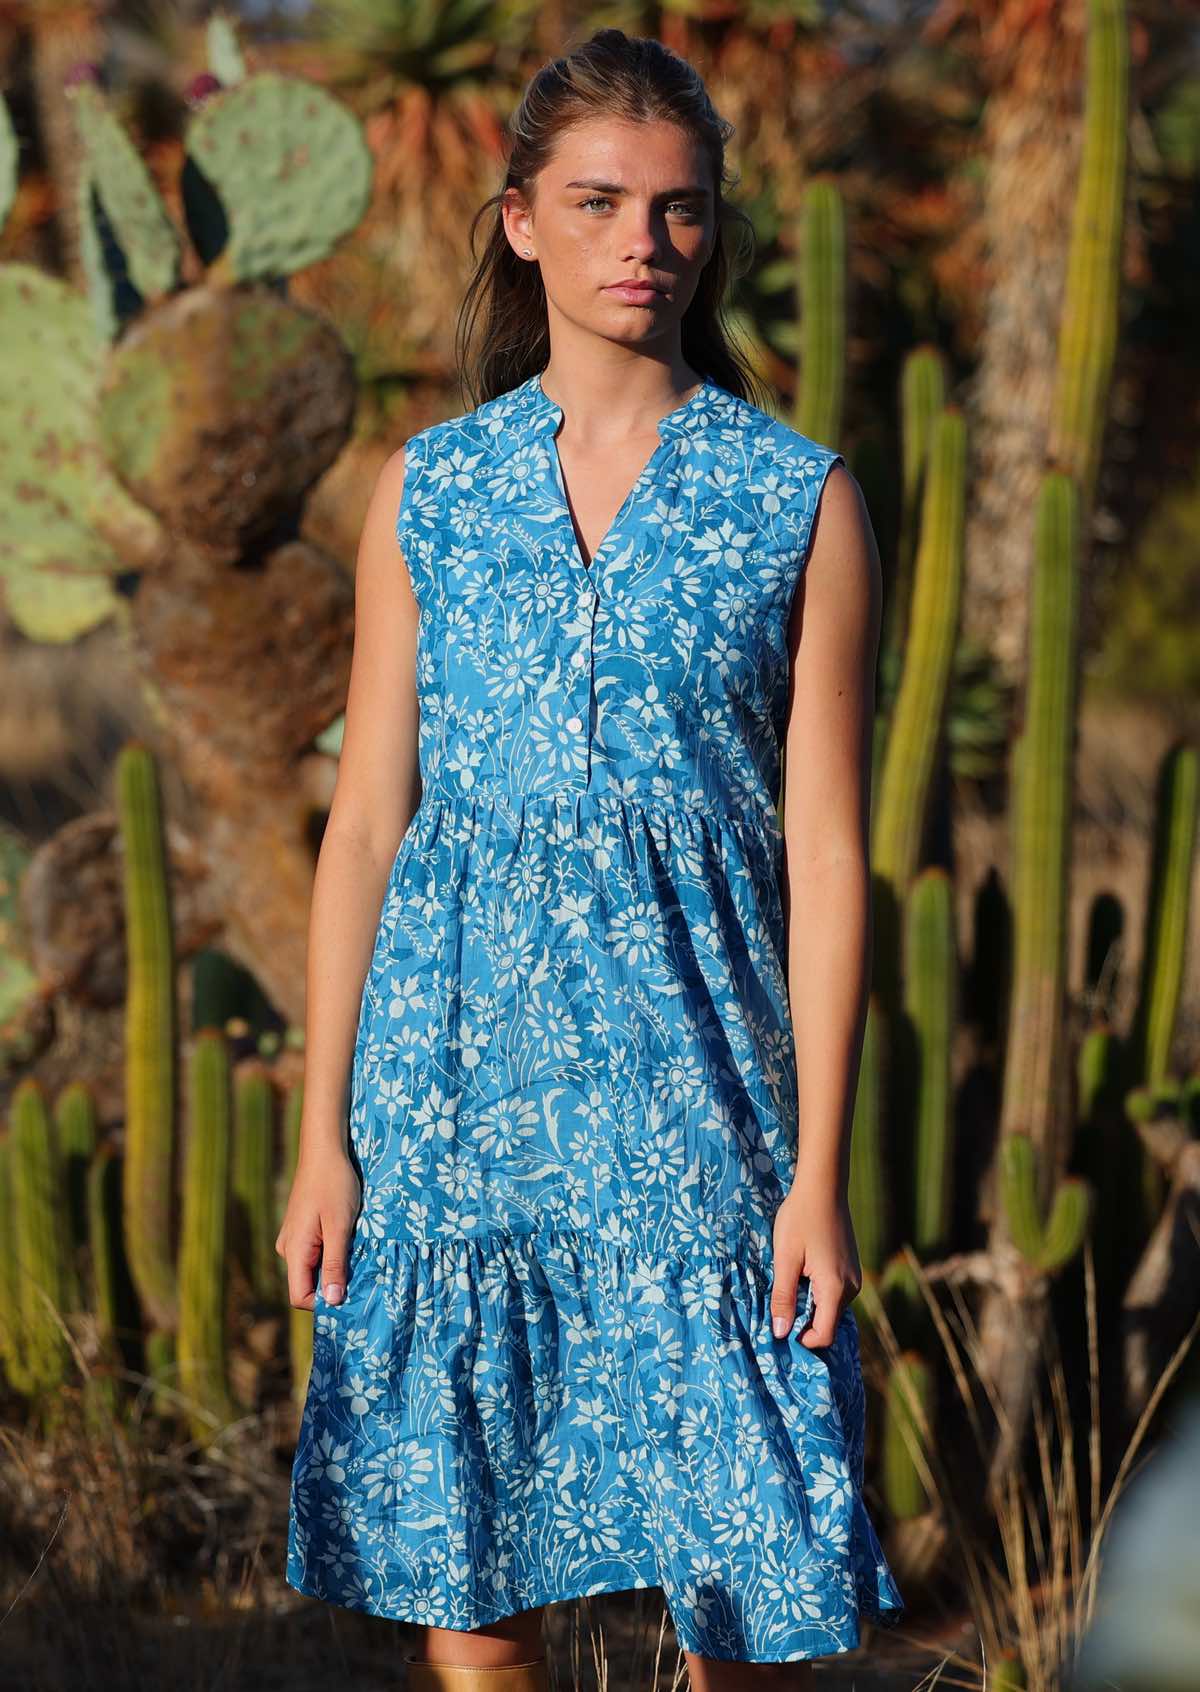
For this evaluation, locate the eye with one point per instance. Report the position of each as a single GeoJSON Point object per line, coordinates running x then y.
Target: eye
{"type": "Point", "coordinates": [684, 208]}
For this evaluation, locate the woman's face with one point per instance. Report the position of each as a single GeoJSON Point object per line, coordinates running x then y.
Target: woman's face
{"type": "Point", "coordinates": [619, 202]}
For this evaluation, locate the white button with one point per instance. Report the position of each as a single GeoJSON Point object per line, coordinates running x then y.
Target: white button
{"type": "Point", "coordinates": [574, 724]}
{"type": "Point", "coordinates": [578, 659]}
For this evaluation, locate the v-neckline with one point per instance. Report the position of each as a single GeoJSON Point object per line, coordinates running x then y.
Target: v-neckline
{"type": "Point", "coordinates": [668, 427]}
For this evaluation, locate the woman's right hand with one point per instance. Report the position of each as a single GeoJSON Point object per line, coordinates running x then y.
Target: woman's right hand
{"type": "Point", "coordinates": [321, 1211]}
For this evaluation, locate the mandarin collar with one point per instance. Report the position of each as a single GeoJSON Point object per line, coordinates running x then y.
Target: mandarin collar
{"type": "Point", "coordinates": [545, 414]}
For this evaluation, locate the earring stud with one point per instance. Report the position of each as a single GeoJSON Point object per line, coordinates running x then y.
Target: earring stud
{"type": "Point", "coordinates": [528, 252]}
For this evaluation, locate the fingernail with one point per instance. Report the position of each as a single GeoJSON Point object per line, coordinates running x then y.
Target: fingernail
{"type": "Point", "coordinates": [780, 1326]}
{"type": "Point", "coordinates": [333, 1293]}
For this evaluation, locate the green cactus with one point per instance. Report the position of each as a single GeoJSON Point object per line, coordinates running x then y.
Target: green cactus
{"type": "Point", "coordinates": [75, 1125]}
{"type": "Point", "coordinates": [1007, 1673]}
{"type": "Point", "coordinates": [1042, 788]}
{"type": "Point", "coordinates": [150, 1037]}
{"type": "Point", "coordinates": [224, 53]}
{"type": "Point", "coordinates": [1168, 915]}
{"type": "Point", "coordinates": [1090, 308]}
{"type": "Point", "coordinates": [202, 1334]}
{"type": "Point", "coordinates": [254, 1178]}
{"type": "Point", "coordinates": [868, 1180]}
{"type": "Point", "coordinates": [41, 1294]}
{"type": "Point", "coordinates": [8, 163]}
{"type": "Point", "coordinates": [922, 398]}
{"type": "Point", "coordinates": [111, 1302]}
{"type": "Point", "coordinates": [134, 212]}
{"type": "Point", "coordinates": [908, 1401]}
{"type": "Point", "coordinates": [67, 525]}
{"type": "Point", "coordinates": [818, 412]}
{"type": "Point", "coordinates": [915, 732]}
{"type": "Point", "coordinates": [291, 168]}
{"type": "Point", "coordinates": [930, 990]}
{"type": "Point", "coordinates": [300, 1322]}
{"type": "Point", "coordinates": [900, 1291]}
{"type": "Point", "coordinates": [13, 1350]}
{"type": "Point", "coordinates": [1046, 1244]}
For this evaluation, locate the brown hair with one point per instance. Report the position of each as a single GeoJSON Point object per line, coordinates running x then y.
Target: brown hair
{"type": "Point", "coordinates": [504, 309]}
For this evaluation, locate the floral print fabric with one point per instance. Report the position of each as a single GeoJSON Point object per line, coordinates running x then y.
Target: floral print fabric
{"type": "Point", "coordinates": [573, 1097]}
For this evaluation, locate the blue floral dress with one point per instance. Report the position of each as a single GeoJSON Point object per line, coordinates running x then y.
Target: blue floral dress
{"type": "Point", "coordinates": [573, 1098]}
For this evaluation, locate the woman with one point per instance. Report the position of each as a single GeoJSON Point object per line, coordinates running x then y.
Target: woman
{"type": "Point", "coordinates": [582, 1322]}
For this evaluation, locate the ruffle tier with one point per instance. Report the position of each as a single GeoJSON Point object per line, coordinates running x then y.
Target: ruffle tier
{"type": "Point", "coordinates": [495, 1421]}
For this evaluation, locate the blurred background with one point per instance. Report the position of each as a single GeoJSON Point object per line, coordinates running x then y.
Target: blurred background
{"type": "Point", "coordinates": [232, 247]}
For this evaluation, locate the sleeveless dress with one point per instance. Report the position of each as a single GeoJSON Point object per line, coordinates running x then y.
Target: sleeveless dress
{"type": "Point", "coordinates": [573, 1102]}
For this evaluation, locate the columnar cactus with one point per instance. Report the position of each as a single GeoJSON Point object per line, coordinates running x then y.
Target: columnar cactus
{"type": "Point", "coordinates": [818, 412]}
{"type": "Point", "coordinates": [868, 1183]}
{"type": "Point", "coordinates": [1042, 789]}
{"type": "Point", "coordinates": [150, 1036]}
{"type": "Point", "coordinates": [300, 1325]}
{"type": "Point", "coordinates": [1045, 1242]}
{"type": "Point", "coordinates": [915, 730]}
{"type": "Point", "coordinates": [41, 1294]}
{"type": "Point", "coordinates": [254, 1178]}
{"type": "Point", "coordinates": [908, 1403]}
{"type": "Point", "coordinates": [1090, 310]}
{"type": "Point", "coordinates": [930, 998]}
{"type": "Point", "coordinates": [203, 1337]}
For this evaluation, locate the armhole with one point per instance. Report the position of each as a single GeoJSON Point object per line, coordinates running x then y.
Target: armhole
{"type": "Point", "coordinates": [818, 488]}
{"type": "Point", "coordinates": [406, 531]}
{"type": "Point", "coordinates": [807, 528]}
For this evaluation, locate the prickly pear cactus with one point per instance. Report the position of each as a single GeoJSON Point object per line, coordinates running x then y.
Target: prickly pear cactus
{"type": "Point", "coordinates": [66, 526]}
{"type": "Point", "coordinates": [222, 407]}
{"type": "Point", "coordinates": [290, 166]}
{"type": "Point", "coordinates": [8, 163]}
{"type": "Point", "coordinates": [224, 54]}
{"type": "Point", "coordinates": [135, 214]}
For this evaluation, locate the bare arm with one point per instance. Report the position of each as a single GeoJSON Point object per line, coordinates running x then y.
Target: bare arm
{"type": "Point", "coordinates": [375, 794]}
{"type": "Point", "coordinates": [834, 639]}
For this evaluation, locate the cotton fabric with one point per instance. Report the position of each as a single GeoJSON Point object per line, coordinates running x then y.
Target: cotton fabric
{"type": "Point", "coordinates": [573, 1095]}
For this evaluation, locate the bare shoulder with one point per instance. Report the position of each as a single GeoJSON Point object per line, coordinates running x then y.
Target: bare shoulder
{"type": "Point", "coordinates": [390, 481]}
{"type": "Point", "coordinates": [841, 588]}
{"type": "Point", "coordinates": [843, 546]}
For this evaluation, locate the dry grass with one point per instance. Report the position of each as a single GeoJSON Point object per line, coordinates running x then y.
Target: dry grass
{"type": "Point", "coordinates": [1034, 1590]}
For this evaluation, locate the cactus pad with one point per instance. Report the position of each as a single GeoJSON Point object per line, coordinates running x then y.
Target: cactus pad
{"type": "Point", "coordinates": [141, 228]}
{"type": "Point", "coordinates": [8, 164]}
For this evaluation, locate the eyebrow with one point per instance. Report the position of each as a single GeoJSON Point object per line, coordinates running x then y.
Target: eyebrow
{"type": "Point", "coordinates": [691, 191]}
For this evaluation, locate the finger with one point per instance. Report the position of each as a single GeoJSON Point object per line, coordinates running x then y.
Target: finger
{"type": "Point", "coordinates": [333, 1262]}
{"type": "Point", "coordinates": [302, 1274]}
{"type": "Point", "coordinates": [827, 1300]}
{"type": "Point", "coordinates": [784, 1281]}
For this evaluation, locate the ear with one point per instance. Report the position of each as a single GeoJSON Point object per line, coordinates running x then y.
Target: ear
{"type": "Point", "coordinates": [518, 221]}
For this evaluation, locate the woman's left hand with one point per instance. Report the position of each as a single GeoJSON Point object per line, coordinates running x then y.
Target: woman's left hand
{"type": "Point", "coordinates": [814, 1236]}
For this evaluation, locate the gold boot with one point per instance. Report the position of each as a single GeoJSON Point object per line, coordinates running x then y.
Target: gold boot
{"type": "Point", "coordinates": [532, 1676]}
